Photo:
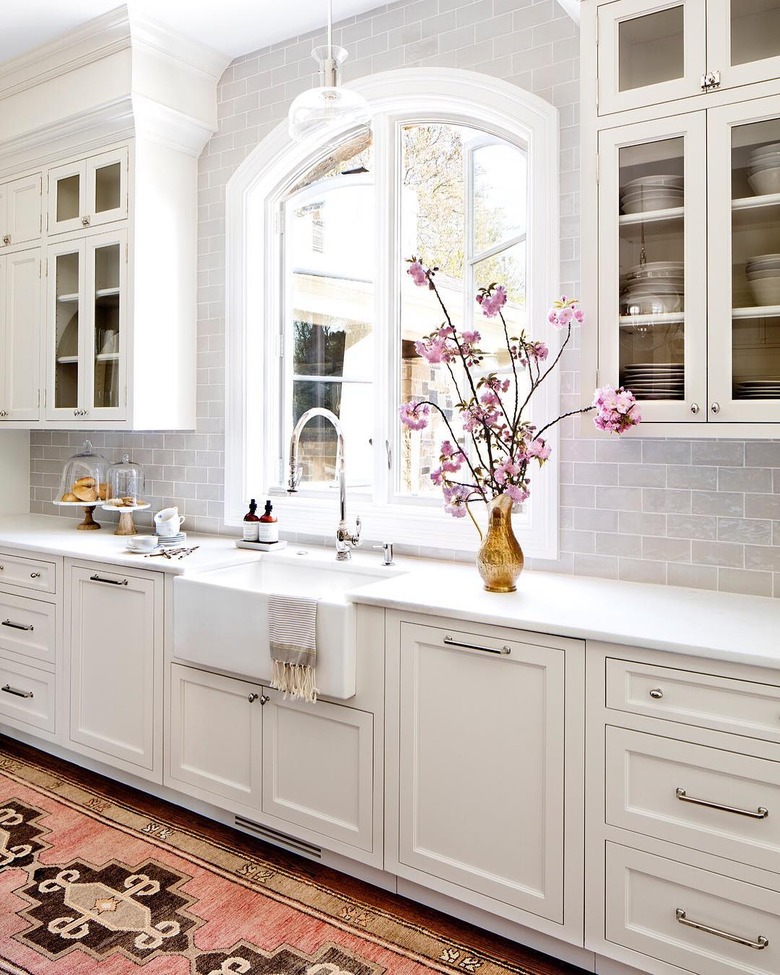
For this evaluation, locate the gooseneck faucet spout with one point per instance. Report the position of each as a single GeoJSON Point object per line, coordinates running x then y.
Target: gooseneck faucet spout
{"type": "Point", "coordinates": [345, 540]}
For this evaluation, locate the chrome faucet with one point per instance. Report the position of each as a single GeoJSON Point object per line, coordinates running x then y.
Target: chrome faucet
{"type": "Point", "coordinates": [345, 540]}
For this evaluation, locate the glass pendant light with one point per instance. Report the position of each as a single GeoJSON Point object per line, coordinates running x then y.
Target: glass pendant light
{"type": "Point", "coordinates": [317, 109]}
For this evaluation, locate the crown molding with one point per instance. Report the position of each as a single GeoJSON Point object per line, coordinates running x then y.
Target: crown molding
{"type": "Point", "coordinates": [187, 52]}
{"type": "Point", "coordinates": [164, 125]}
{"type": "Point", "coordinates": [572, 8]}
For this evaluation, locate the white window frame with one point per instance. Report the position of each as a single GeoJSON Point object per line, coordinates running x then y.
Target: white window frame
{"type": "Point", "coordinates": [252, 375]}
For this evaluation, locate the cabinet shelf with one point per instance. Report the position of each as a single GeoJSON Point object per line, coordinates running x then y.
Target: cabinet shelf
{"type": "Point", "coordinates": [67, 360]}
{"type": "Point", "coordinates": [651, 216]}
{"type": "Point", "coordinates": [68, 298]}
{"type": "Point", "coordinates": [759, 311]}
{"type": "Point", "coordinates": [756, 202]}
{"type": "Point", "coordinates": [107, 357]}
{"type": "Point", "coordinates": [106, 292]}
{"type": "Point", "coordinates": [662, 318]}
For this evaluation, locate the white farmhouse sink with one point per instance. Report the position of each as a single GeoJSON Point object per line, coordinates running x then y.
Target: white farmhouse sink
{"type": "Point", "coordinates": [221, 617]}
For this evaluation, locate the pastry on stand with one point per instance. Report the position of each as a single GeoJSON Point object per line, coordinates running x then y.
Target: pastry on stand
{"type": "Point", "coordinates": [125, 493]}
{"type": "Point", "coordinates": [84, 484]}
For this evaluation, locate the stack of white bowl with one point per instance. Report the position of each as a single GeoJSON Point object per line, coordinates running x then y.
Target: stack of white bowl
{"type": "Point", "coordinates": [652, 193]}
{"type": "Point", "coordinates": [653, 288]}
{"type": "Point", "coordinates": [763, 274]}
{"type": "Point", "coordinates": [764, 169]}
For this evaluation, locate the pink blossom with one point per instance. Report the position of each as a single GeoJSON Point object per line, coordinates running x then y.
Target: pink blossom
{"type": "Point", "coordinates": [518, 493]}
{"type": "Point", "coordinates": [505, 470]}
{"type": "Point", "coordinates": [492, 303]}
{"type": "Point", "coordinates": [538, 350]}
{"type": "Point", "coordinates": [538, 448]}
{"type": "Point", "coordinates": [455, 498]}
{"type": "Point", "coordinates": [565, 311]}
{"type": "Point", "coordinates": [434, 350]}
{"type": "Point", "coordinates": [616, 409]}
{"type": "Point", "coordinates": [472, 338]}
{"type": "Point", "coordinates": [489, 398]}
{"type": "Point", "coordinates": [414, 415]}
{"type": "Point", "coordinates": [418, 273]}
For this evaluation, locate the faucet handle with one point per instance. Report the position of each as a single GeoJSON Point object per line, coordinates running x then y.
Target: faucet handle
{"type": "Point", "coordinates": [294, 478]}
{"type": "Point", "coordinates": [387, 552]}
{"type": "Point", "coordinates": [356, 541]}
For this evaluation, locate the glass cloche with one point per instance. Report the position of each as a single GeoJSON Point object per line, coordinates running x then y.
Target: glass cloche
{"type": "Point", "coordinates": [126, 484]}
{"type": "Point", "coordinates": [83, 478]}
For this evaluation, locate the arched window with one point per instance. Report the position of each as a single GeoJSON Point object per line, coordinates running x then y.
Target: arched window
{"type": "Point", "coordinates": [461, 170]}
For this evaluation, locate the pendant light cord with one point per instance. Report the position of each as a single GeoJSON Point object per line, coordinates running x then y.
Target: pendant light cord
{"type": "Point", "coordinates": [330, 29]}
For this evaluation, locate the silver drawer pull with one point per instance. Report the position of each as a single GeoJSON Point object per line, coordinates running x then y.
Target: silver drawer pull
{"type": "Point", "coordinates": [112, 582]}
{"type": "Point", "coordinates": [35, 575]}
{"type": "Point", "coordinates": [761, 813]}
{"type": "Point", "coordinates": [18, 626]}
{"type": "Point", "coordinates": [503, 651]}
{"type": "Point", "coordinates": [656, 693]}
{"type": "Point", "coordinates": [15, 690]}
{"type": "Point", "coordinates": [758, 944]}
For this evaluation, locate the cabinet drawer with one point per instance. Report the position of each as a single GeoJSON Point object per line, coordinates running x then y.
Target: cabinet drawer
{"type": "Point", "coordinates": [26, 695]}
{"type": "Point", "coordinates": [28, 573]}
{"type": "Point", "coordinates": [651, 902]}
{"type": "Point", "coordinates": [719, 802]}
{"type": "Point", "coordinates": [704, 700]}
{"type": "Point", "coordinates": [27, 626]}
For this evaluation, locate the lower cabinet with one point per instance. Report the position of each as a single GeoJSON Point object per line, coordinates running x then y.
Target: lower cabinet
{"type": "Point", "coordinates": [478, 748]}
{"type": "Point", "coordinates": [114, 641]}
{"type": "Point", "coordinates": [242, 746]}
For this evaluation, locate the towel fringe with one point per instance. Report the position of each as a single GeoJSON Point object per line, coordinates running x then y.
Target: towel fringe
{"type": "Point", "coordinates": [295, 680]}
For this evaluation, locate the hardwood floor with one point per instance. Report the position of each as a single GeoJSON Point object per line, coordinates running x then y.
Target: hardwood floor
{"type": "Point", "coordinates": [347, 886]}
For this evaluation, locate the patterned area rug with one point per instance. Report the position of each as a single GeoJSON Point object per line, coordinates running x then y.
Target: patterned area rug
{"type": "Point", "coordinates": [93, 887]}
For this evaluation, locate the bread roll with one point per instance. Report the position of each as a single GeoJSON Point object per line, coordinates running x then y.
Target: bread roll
{"type": "Point", "coordinates": [69, 497]}
{"type": "Point", "coordinates": [85, 482]}
{"type": "Point", "coordinates": [103, 490]}
{"type": "Point", "coordinates": [84, 492]}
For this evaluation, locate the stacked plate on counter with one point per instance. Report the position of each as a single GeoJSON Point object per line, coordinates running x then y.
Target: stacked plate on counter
{"type": "Point", "coordinates": [652, 289]}
{"type": "Point", "coordinates": [652, 193]}
{"type": "Point", "coordinates": [758, 389]}
{"type": "Point", "coordinates": [763, 274]}
{"type": "Point", "coordinates": [655, 380]}
{"type": "Point", "coordinates": [764, 169]}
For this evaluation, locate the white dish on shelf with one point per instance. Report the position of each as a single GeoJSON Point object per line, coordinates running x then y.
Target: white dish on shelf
{"type": "Point", "coordinates": [762, 262]}
{"type": "Point", "coordinates": [658, 180]}
{"type": "Point", "coordinates": [649, 204]}
{"type": "Point", "coordinates": [655, 269]}
{"type": "Point", "coordinates": [764, 182]}
{"type": "Point", "coordinates": [766, 290]}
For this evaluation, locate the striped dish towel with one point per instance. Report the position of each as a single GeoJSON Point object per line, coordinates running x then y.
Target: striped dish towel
{"type": "Point", "coordinates": [292, 624]}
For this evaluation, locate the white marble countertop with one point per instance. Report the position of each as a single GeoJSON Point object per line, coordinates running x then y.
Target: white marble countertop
{"type": "Point", "coordinates": [716, 625]}
{"type": "Point", "coordinates": [58, 536]}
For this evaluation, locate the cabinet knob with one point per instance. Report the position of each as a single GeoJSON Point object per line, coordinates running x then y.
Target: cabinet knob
{"type": "Point", "coordinates": [264, 699]}
{"type": "Point", "coordinates": [715, 408]}
{"type": "Point", "coordinates": [35, 575]}
{"type": "Point", "coordinates": [656, 693]}
{"type": "Point", "coordinates": [252, 698]}
{"type": "Point", "coordinates": [85, 221]}
{"type": "Point", "coordinates": [695, 408]}
{"type": "Point", "coordinates": [6, 239]}
{"type": "Point", "coordinates": [3, 414]}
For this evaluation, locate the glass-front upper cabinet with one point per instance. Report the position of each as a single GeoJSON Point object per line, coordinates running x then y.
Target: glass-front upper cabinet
{"type": "Point", "coordinates": [87, 298]}
{"type": "Point", "coordinates": [744, 274]}
{"type": "Point", "coordinates": [654, 51]}
{"type": "Point", "coordinates": [652, 295]}
{"type": "Point", "coordinates": [88, 192]}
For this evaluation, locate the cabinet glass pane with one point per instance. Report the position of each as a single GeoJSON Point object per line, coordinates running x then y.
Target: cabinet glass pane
{"type": "Point", "coordinates": [68, 197]}
{"type": "Point", "coordinates": [652, 282]}
{"type": "Point", "coordinates": [106, 299]}
{"type": "Point", "coordinates": [755, 231]}
{"type": "Point", "coordinates": [755, 30]}
{"type": "Point", "coordinates": [651, 49]}
{"type": "Point", "coordinates": [107, 187]}
{"type": "Point", "coordinates": [66, 371]}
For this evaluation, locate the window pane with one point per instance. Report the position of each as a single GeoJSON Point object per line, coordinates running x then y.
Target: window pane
{"type": "Point", "coordinates": [499, 211]}
{"type": "Point", "coordinates": [329, 362]}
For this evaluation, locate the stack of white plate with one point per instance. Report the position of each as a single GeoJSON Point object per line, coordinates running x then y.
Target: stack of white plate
{"type": "Point", "coordinates": [652, 193]}
{"type": "Point", "coordinates": [764, 169]}
{"type": "Point", "coordinates": [758, 389]}
{"type": "Point", "coordinates": [168, 541]}
{"type": "Point", "coordinates": [655, 380]}
{"type": "Point", "coordinates": [653, 288]}
{"type": "Point", "coordinates": [763, 274]}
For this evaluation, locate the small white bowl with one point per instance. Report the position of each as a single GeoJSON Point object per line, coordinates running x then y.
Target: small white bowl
{"type": "Point", "coordinates": [765, 181]}
{"type": "Point", "coordinates": [142, 543]}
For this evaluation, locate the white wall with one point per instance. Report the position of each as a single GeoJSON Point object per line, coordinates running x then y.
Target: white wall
{"type": "Point", "coordinates": [14, 472]}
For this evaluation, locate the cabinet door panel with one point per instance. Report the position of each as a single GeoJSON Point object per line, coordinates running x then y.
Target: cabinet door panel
{"type": "Point", "coordinates": [652, 288]}
{"type": "Point", "coordinates": [216, 736]}
{"type": "Point", "coordinates": [115, 636]}
{"type": "Point", "coordinates": [482, 766]}
{"type": "Point", "coordinates": [66, 319]}
{"type": "Point", "coordinates": [744, 274]}
{"type": "Point", "coordinates": [743, 40]}
{"type": "Point", "coordinates": [66, 198]}
{"type": "Point", "coordinates": [649, 51]}
{"type": "Point", "coordinates": [23, 209]}
{"type": "Point", "coordinates": [105, 297]}
{"type": "Point", "coordinates": [106, 189]}
{"type": "Point", "coordinates": [21, 285]}
{"type": "Point", "coordinates": [318, 768]}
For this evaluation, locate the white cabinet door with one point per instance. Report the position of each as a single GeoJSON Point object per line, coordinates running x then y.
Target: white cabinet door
{"type": "Point", "coordinates": [743, 40]}
{"type": "Point", "coordinates": [114, 630]}
{"type": "Point", "coordinates": [481, 765]}
{"type": "Point", "coordinates": [88, 192]}
{"type": "Point", "coordinates": [318, 768]}
{"type": "Point", "coordinates": [20, 210]}
{"type": "Point", "coordinates": [744, 277]}
{"type": "Point", "coordinates": [216, 730]}
{"type": "Point", "coordinates": [20, 330]}
{"type": "Point", "coordinates": [649, 52]}
{"type": "Point", "coordinates": [652, 266]}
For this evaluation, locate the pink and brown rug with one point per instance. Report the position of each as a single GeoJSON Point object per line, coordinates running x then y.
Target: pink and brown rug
{"type": "Point", "coordinates": [91, 886]}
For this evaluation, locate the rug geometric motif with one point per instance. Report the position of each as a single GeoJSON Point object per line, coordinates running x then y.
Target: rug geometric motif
{"type": "Point", "coordinates": [20, 834]}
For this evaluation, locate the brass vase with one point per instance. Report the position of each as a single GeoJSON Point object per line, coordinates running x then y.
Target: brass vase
{"type": "Point", "coordinates": [500, 558]}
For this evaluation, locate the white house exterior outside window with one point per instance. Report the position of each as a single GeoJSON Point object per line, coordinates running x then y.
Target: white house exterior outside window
{"type": "Point", "coordinates": [461, 169]}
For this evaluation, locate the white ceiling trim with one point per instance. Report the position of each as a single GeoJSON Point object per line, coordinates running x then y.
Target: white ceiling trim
{"type": "Point", "coordinates": [572, 8]}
